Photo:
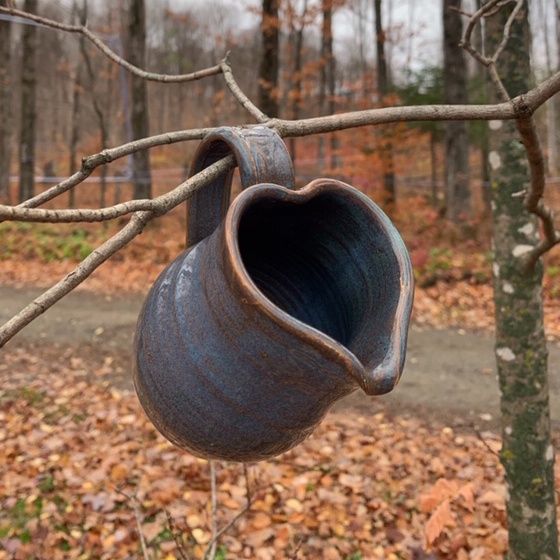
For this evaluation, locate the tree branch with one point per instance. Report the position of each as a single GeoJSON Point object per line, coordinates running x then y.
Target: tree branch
{"type": "Point", "coordinates": [243, 100]}
{"type": "Point", "coordinates": [524, 107]}
{"type": "Point", "coordinates": [16, 214]}
{"type": "Point", "coordinates": [90, 163]}
{"type": "Point", "coordinates": [83, 30]}
{"type": "Point", "coordinates": [135, 226]}
{"type": "Point", "coordinates": [317, 125]}
{"type": "Point", "coordinates": [216, 534]}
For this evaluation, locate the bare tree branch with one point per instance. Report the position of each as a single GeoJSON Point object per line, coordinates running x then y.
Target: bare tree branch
{"type": "Point", "coordinates": [524, 107]}
{"type": "Point", "coordinates": [243, 100]}
{"type": "Point", "coordinates": [88, 215]}
{"type": "Point", "coordinates": [138, 516]}
{"type": "Point", "coordinates": [90, 163]}
{"type": "Point", "coordinates": [489, 9]}
{"type": "Point", "coordinates": [83, 30]}
{"type": "Point", "coordinates": [135, 226]}
{"type": "Point", "coordinates": [218, 533]}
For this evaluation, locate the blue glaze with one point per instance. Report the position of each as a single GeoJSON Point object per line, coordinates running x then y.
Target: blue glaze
{"type": "Point", "coordinates": [295, 300]}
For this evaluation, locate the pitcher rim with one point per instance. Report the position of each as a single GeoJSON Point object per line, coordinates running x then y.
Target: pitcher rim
{"type": "Point", "coordinates": [374, 382]}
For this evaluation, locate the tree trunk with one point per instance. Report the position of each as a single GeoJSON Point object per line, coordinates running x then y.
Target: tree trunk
{"type": "Point", "coordinates": [481, 75]}
{"type": "Point", "coordinates": [268, 72]}
{"type": "Point", "coordinates": [5, 108]}
{"type": "Point", "coordinates": [326, 68]}
{"type": "Point", "coordinates": [81, 15]}
{"type": "Point", "coordinates": [456, 136]}
{"type": "Point", "coordinates": [554, 106]}
{"type": "Point", "coordinates": [141, 174]}
{"type": "Point", "coordinates": [101, 111]}
{"type": "Point", "coordinates": [389, 187]}
{"type": "Point", "coordinates": [527, 454]}
{"type": "Point", "coordinates": [28, 109]}
{"type": "Point", "coordinates": [433, 165]}
{"type": "Point", "coordinates": [297, 41]}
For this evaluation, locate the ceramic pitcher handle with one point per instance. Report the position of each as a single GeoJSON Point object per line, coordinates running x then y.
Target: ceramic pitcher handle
{"type": "Point", "coordinates": [262, 157]}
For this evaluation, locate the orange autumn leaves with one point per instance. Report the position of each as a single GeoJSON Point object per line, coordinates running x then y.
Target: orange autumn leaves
{"type": "Point", "coordinates": [82, 471]}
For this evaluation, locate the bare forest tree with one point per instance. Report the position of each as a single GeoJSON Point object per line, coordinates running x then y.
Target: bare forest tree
{"type": "Point", "coordinates": [136, 46]}
{"type": "Point", "coordinates": [327, 78]}
{"type": "Point", "coordinates": [297, 22]}
{"type": "Point", "coordinates": [518, 187]}
{"type": "Point", "coordinates": [28, 107]}
{"type": "Point", "coordinates": [78, 87]}
{"type": "Point", "coordinates": [5, 108]}
{"type": "Point", "coordinates": [455, 92]}
{"type": "Point", "coordinates": [383, 87]}
{"type": "Point", "coordinates": [268, 73]}
{"type": "Point", "coordinates": [527, 453]}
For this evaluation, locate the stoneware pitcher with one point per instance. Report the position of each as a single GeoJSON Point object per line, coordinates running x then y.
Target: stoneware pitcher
{"type": "Point", "coordinates": [285, 302]}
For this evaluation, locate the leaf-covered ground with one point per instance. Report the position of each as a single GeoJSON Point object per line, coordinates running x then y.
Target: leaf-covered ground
{"type": "Point", "coordinates": [83, 473]}
{"type": "Point", "coordinates": [82, 469]}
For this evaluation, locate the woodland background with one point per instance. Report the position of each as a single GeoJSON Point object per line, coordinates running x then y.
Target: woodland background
{"type": "Point", "coordinates": [93, 479]}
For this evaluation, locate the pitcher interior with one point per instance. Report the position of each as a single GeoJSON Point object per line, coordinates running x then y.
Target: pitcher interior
{"type": "Point", "coordinates": [327, 262]}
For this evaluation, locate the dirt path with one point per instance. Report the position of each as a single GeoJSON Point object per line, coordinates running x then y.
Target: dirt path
{"type": "Point", "coordinates": [449, 375]}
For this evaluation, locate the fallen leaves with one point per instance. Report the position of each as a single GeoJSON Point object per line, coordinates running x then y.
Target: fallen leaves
{"type": "Point", "coordinates": [81, 464]}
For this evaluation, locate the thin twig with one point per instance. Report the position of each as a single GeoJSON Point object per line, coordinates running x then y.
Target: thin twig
{"type": "Point", "coordinates": [490, 61]}
{"type": "Point", "coordinates": [243, 100]}
{"type": "Point", "coordinates": [211, 554]}
{"type": "Point", "coordinates": [150, 76]}
{"type": "Point", "coordinates": [238, 516]}
{"type": "Point", "coordinates": [134, 500]}
{"type": "Point", "coordinates": [507, 29]}
{"type": "Point", "coordinates": [90, 163]}
{"type": "Point", "coordinates": [180, 549]}
{"type": "Point", "coordinates": [524, 107]}
{"type": "Point", "coordinates": [483, 440]}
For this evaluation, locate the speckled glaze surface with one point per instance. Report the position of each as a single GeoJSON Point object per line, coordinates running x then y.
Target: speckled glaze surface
{"type": "Point", "coordinates": [296, 299]}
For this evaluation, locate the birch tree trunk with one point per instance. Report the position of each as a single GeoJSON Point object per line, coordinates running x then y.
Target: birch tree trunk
{"type": "Point", "coordinates": [527, 454]}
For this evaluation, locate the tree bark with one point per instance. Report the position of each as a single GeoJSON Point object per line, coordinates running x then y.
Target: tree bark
{"type": "Point", "coordinates": [141, 173]}
{"type": "Point", "coordinates": [5, 108]}
{"type": "Point", "coordinates": [269, 65]}
{"type": "Point", "coordinates": [527, 454]}
{"type": "Point", "coordinates": [28, 107]}
{"type": "Point", "coordinates": [326, 68]}
{"type": "Point", "coordinates": [389, 186]}
{"type": "Point", "coordinates": [101, 111]}
{"type": "Point", "coordinates": [296, 39]}
{"type": "Point", "coordinates": [456, 135]}
{"type": "Point", "coordinates": [81, 15]}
